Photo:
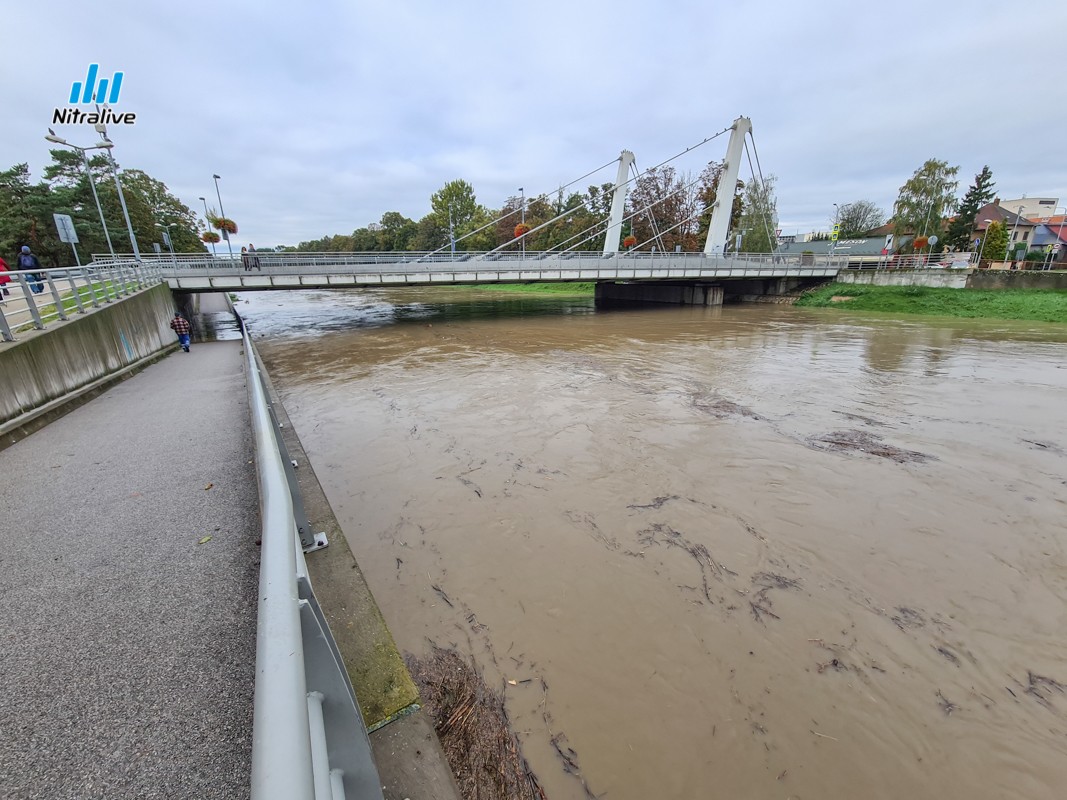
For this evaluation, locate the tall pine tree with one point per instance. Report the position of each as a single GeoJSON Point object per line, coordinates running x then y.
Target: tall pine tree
{"type": "Point", "coordinates": [961, 228]}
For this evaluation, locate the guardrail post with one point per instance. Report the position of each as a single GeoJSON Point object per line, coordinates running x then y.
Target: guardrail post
{"type": "Point", "coordinates": [56, 298]}
{"type": "Point", "coordinates": [75, 293]}
{"type": "Point", "coordinates": [90, 281]}
{"type": "Point", "coordinates": [5, 329]}
{"type": "Point", "coordinates": [30, 304]}
{"type": "Point", "coordinates": [309, 540]}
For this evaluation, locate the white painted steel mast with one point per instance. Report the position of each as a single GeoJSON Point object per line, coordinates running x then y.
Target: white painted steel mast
{"type": "Point", "coordinates": [719, 228]}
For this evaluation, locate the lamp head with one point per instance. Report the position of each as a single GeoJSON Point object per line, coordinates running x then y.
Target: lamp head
{"type": "Point", "coordinates": [217, 177]}
{"type": "Point", "coordinates": [53, 138]}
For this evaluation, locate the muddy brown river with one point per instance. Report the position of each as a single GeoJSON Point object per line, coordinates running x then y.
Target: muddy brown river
{"type": "Point", "coordinates": [752, 552]}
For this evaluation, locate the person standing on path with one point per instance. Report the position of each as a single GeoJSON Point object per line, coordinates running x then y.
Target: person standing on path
{"type": "Point", "coordinates": [180, 325]}
{"type": "Point", "coordinates": [253, 259]}
{"type": "Point", "coordinates": [27, 262]}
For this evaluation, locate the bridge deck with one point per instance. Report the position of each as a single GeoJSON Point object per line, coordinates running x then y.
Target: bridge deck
{"type": "Point", "coordinates": [202, 272]}
{"type": "Point", "coordinates": [129, 648]}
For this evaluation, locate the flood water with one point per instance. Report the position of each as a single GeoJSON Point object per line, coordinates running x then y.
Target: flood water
{"type": "Point", "coordinates": [752, 552]}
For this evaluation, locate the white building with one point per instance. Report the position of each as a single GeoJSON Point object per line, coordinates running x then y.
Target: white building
{"type": "Point", "coordinates": [1031, 207]}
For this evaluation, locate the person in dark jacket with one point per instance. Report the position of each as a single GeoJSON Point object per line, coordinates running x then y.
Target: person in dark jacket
{"type": "Point", "coordinates": [28, 263]}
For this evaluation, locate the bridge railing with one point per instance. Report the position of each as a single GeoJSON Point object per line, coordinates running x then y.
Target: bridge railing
{"type": "Point", "coordinates": [308, 737]}
{"type": "Point", "coordinates": [34, 300]}
{"type": "Point", "coordinates": [415, 262]}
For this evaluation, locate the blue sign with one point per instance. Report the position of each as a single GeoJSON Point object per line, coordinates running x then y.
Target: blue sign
{"type": "Point", "coordinates": [93, 92]}
{"type": "Point", "coordinates": [978, 241]}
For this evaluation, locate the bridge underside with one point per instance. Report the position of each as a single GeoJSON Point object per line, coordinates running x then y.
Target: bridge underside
{"type": "Point", "coordinates": [684, 285]}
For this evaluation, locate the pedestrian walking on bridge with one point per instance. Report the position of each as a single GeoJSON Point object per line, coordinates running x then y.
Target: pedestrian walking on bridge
{"type": "Point", "coordinates": [180, 325]}
{"type": "Point", "coordinates": [28, 263]}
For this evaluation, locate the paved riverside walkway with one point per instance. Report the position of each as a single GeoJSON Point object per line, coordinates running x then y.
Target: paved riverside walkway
{"type": "Point", "coordinates": [127, 649]}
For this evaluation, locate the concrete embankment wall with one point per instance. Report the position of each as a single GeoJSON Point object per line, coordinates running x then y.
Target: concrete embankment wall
{"type": "Point", "coordinates": [957, 279]}
{"type": "Point", "coordinates": [44, 370]}
{"type": "Point", "coordinates": [938, 278]}
{"type": "Point", "coordinates": [694, 294]}
{"type": "Point", "coordinates": [1016, 279]}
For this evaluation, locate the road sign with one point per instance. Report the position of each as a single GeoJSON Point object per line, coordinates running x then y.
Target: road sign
{"type": "Point", "coordinates": [889, 241]}
{"type": "Point", "coordinates": [65, 226]}
{"type": "Point", "coordinates": [1055, 248]}
{"type": "Point", "coordinates": [1048, 249]}
{"type": "Point", "coordinates": [166, 238]}
{"type": "Point", "coordinates": [833, 236]}
{"type": "Point", "coordinates": [977, 241]}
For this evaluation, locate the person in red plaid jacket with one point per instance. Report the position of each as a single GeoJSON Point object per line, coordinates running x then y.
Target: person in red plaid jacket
{"type": "Point", "coordinates": [180, 325]}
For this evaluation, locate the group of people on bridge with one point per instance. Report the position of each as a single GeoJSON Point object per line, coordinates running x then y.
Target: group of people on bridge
{"type": "Point", "coordinates": [249, 258]}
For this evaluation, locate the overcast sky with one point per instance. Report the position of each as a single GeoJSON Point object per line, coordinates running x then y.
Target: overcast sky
{"type": "Point", "coordinates": [320, 117]}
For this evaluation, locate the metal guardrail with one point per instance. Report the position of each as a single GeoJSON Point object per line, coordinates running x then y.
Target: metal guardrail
{"type": "Point", "coordinates": [38, 299]}
{"type": "Point", "coordinates": [964, 260]}
{"type": "Point", "coordinates": [417, 262]}
{"type": "Point", "coordinates": [308, 737]}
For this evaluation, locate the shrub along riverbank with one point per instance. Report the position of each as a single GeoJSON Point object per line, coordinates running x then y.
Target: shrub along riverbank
{"type": "Point", "coordinates": [1041, 305]}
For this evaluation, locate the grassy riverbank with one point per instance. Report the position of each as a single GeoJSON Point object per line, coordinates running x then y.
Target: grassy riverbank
{"type": "Point", "coordinates": [1041, 305]}
{"type": "Point", "coordinates": [537, 288]}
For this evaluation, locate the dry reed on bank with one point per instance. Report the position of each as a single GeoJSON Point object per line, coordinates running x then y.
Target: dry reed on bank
{"type": "Point", "coordinates": [474, 729]}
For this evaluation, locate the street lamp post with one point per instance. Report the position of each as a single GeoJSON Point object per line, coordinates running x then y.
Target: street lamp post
{"type": "Point", "coordinates": [1059, 238]}
{"type": "Point", "coordinates": [92, 184]}
{"type": "Point", "coordinates": [106, 145]}
{"type": "Point", "coordinates": [1011, 239]}
{"type": "Point", "coordinates": [222, 211]}
{"type": "Point", "coordinates": [451, 233]}
{"type": "Point", "coordinates": [213, 253]}
{"type": "Point", "coordinates": [985, 235]}
{"type": "Point", "coordinates": [837, 223]}
{"type": "Point", "coordinates": [522, 220]}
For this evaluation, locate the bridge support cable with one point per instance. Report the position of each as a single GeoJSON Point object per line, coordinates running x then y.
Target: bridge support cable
{"type": "Point", "coordinates": [635, 178]}
{"type": "Point", "coordinates": [719, 228]}
{"type": "Point", "coordinates": [308, 736]}
{"type": "Point", "coordinates": [633, 214]}
{"type": "Point", "coordinates": [766, 193]}
{"type": "Point", "coordinates": [503, 217]}
{"type": "Point", "coordinates": [618, 184]}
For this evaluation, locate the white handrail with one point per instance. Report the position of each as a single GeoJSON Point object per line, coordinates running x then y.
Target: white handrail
{"type": "Point", "coordinates": [281, 736]}
{"type": "Point", "coordinates": [308, 737]}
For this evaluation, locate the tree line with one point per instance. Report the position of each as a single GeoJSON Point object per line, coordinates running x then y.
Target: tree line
{"type": "Point", "coordinates": [26, 210]}
{"type": "Point", "coordinates": [665, 209]}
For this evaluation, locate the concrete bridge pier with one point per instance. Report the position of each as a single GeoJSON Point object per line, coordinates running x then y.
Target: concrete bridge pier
{"type": "Point", "coordinates": [686, 294]}
{"type": "Point", "coordinates": [767, 290]}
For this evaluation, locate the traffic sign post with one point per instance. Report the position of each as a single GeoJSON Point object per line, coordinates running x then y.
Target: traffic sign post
{"type": "Point", "coordinates": [65, 227]}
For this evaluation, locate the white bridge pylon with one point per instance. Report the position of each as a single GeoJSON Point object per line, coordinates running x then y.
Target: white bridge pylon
{"type": "Point", "coordinates": [719, 228]}
{"type": "Point", "coordinates": [618, 203]}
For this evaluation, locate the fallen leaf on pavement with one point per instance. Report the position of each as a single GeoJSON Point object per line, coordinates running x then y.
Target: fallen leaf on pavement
{"type": "Point", "coordinates": [204, 540]}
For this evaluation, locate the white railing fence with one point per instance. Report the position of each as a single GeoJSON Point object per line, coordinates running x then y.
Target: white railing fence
{"type": "Point", "coordinates": [34, 300]}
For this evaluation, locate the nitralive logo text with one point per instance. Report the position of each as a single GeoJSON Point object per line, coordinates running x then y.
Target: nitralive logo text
{"type": "Point", "coordinates": [94, 90]}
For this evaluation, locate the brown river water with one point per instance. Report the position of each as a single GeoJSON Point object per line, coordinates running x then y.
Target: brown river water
{"type": "Point", "coordinates": [751, 552]}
